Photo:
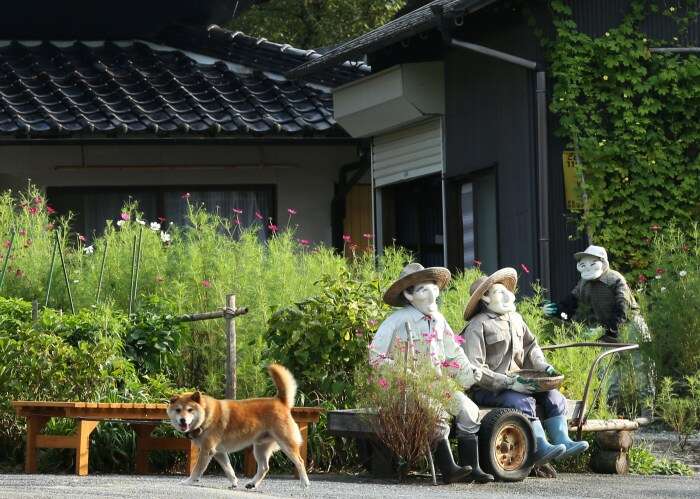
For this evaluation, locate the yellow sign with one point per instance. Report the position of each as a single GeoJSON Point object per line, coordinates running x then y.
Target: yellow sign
{"type": "Point", "coordinates": [572, 182]}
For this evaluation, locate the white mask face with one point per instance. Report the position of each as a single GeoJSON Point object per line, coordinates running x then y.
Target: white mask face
{"type": "Point", "coordinates": [424, 297]}
{"type": "Point", "coordinates": [499, 299]}
{"type": "Point", "coordinates": [590, 268]}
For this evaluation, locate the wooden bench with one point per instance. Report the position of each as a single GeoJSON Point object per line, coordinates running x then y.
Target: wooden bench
{"type": "Point", "coordinates": [143, 417]}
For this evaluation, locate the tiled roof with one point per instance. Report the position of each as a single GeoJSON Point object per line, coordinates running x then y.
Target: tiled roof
{"type": "Point", "coordinates": [135, 87]}
{"type": "Point", "coordinates": [417, 21]}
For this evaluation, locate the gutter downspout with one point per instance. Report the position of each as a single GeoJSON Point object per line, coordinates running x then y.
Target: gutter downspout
{"type": "Point", "coordinates": [342, 190]}
{"type": "Point", "coordinates": [541, 144]}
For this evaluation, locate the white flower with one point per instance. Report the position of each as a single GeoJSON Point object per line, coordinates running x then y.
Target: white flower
{"type": "Point", "coordinates": [155, 226]}
{"type": "Point", "coordinates": [682, 273]}
{"type": "Point", "coordinates": [663, 289]}
{"type": "Point", "coordinates": [75, 281]}
{"type": "Point", "coordinates": [657, 277]}
{"type": "Point", "coordinates": [120, 222]}
{"type": "Point", "coordinates": [564, 316]}
{"type": "Point", "coordinates": [165, 237]}
{"type": "Point", "coordinates": [89, 250]}
{"type": "Point", "coordinates": [140, 221]}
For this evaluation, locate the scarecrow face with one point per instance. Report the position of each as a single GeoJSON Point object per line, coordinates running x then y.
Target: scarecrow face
{"type": "Point", "coordinates": [499, 299]}
{"type": "Point", "coordinates": [590, 267]}
{"type": "Point", "coordinates": [424, 297]}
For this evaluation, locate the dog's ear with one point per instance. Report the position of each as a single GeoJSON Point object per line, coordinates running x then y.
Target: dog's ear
{"type": "Point", "coordinates": [197, 397]}
{"type": "Point", "coordinates": [174, 398]}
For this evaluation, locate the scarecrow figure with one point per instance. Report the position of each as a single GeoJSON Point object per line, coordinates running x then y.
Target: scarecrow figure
{"type": "Point", "coordinates": [603, 298]}
{"type": "Point", "coordinates": [416, 292]}
{"type": "Point", "coordinates": [498, 340]}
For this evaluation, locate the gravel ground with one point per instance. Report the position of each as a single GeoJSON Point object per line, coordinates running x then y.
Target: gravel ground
{"type": "Point", "coordinates": [345, 487]}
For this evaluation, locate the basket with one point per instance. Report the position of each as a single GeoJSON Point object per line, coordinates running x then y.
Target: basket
{"type": "Point", "coordinates": [544, 382]}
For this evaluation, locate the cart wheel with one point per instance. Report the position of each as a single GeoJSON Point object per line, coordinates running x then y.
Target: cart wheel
{"type": "Point", "coordinates": [505, 444]}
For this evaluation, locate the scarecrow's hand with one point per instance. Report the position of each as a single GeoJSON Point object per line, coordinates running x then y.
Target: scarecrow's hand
{"type": "Point", "coordinates": [550, 309]}
{"type": "Point", "coordinates": [522, 385]}
{"type": "Point", "coordinates": [551, 371]}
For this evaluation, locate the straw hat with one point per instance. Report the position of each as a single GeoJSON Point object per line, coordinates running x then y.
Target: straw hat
{"type": "Point", "coordinates": [412, 274]}
{"type": "Point", "coordinates": [506, 276]}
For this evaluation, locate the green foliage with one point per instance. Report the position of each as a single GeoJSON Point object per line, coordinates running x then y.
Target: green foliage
{"type": "Point", "coordinates": [643, 462]}
{"type": "Point", "coordinates": [682, 414]}
{"type": "Point", "coordinates": [673, 301]}
{"type": "Point", "coordinates": [324, 338]}
{"type": "Point", "coordinates": [151, 340]}
{"type": "Point", "coordinates": [633, 118]}
{"type": "Point", "coordinates": [315, 23]}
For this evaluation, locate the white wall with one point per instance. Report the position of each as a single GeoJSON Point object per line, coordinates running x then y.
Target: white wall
{"type": "Point", "coordinates": [304, 175]}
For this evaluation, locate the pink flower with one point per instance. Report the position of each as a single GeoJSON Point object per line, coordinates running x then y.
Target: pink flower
{"type": "Point", "coordinates": [238, 211]}
{"type": "Point", "coordinates": [458, 339]}
{"type": "Point", "coordinates": [430, 336]}
{"type": "Point", "coordinates": [206, 283]}
{"type": "Point", "coordinates": [346, 238]}
{"type": "Point", "coordinates": [367, 236]}
{"type": "Point", "coordinates": [477, 263]}
{"type": "Point", "coordinates": [32, 210]}
{"type": "Point", "coordinates": [291, 211]}
{"type": "Point", "coordinates": [642, 278]}
{"type": "Point", "coordinates": [38, 200]}
{"type": "Point", "coordinates": [660, 271]}
{"type": "Point", "coordinates": [273, 228]}
{"type": "Point", "coordinates": [22, 232]}
{"type": "Point", "coordinates": [81, 238]}
{"type": "Point", "coordinates": [50, 210]}
{"type": "Point", "coordinates": [161, 219]}
{"type": "Point", "coordinates": [524, 267]}
{"type": "Point", "coordinates": [125, 216]}
{"type": "Point", "coordinates": [186, 195]}
{"type": "Point", "coordinates": [258, 215]}
{"type": "Point", "coordinates": [237, 221]}
{"type": "Point", "coordinates": [372, 322]}
{"type": "Point", "coordinates": [304, 242]}
{"type": "Point", "coordinates": [383, 383]}
{"type": "Point", "coordinates": [451, 363]}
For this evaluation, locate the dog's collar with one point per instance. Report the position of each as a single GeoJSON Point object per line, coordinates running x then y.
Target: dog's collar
{"type": "Point", "coordinates": [193, 433]}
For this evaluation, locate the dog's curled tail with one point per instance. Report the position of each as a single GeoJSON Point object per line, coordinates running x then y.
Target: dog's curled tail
{"type": "Point", "coordinates": [285, 383]}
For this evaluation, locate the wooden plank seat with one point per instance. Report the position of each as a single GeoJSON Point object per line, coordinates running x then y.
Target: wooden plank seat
{"type": "Point", "coordinates": [144, 417]}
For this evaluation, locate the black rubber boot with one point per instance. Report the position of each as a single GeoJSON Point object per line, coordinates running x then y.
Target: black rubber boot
{"type": "Point", "coordinates": [451, 473]}
{"type": "Point", "coordinates": [468, 446]}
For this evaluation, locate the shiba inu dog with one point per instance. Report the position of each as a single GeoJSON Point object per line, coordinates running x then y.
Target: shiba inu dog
{"type": "Point", "coordinates": [222, 426]}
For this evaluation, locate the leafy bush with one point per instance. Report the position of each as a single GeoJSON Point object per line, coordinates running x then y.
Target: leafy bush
{"type": "Point", "coordinates": [673, 301]}
{"type": "Point", "coordinates": [643, 462]}
{"type": "Point", "coordinates": [682, 414]}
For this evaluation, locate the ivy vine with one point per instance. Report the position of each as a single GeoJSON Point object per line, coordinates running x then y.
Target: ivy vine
{"type": "Point", "coordinates": [633, 118]}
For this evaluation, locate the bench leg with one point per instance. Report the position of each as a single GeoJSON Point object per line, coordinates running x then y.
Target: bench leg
{"type": "Point", "coordinates": [34, 426]}
{"type": "Point", "coordinates": [143, 438]}
{"type": "Point", "coordinates": [304, 447]}
{"type": "Point", "coordinates": [82, 452]}
{"type": "Point", "coordinates": [250, 466]}
{"type": "Point", "coordinates": [192, 455]}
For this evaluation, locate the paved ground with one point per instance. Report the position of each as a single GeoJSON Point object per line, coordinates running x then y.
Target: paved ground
{"type": "Point", "coordinates": [345, 487]}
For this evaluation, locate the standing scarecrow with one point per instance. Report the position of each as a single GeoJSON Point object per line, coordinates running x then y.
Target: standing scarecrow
{"type": "Point", "coordinates": [603, 298]}
{"type": "Point", "coordinates": [498, 339]}
{"type": "Point", "coordinates": [415, 293]}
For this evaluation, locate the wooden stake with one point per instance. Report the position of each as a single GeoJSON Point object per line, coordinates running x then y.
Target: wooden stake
{"type": "Point", "coordinates": [230, 349]}
{"type": "Point", "coordinates": [65, 273]}
{"type": "Point", "coordinates": [102, 271]}
{"type": "Point", "coordinates": [133, 269]}
{"type": "Point", "coordinates": [53, 261]}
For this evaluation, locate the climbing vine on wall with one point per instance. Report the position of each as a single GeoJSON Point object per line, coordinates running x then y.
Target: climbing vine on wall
{"type": "Point", "coordinates": [633, 118]}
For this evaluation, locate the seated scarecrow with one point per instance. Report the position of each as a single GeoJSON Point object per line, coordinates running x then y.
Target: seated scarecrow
{"type": "Point", "coordinates": [415, 294]}
{"type": "Point", "coordinates": [498, 340]}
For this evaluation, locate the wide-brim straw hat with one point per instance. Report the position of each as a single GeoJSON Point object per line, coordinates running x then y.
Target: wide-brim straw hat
{"type": "Point", "coordinates": [506, 276]}
{"type": "Point", "coordinates": [412, 274]}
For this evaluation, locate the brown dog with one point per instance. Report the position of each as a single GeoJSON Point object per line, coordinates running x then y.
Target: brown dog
{"type": "Point", "coordinates": [222, 426]}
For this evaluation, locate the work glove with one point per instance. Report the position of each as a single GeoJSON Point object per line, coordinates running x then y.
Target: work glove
{"type": "Point", "coordinates": [522, 385]}
{"type": "Point", "coordinates": [550, 371]}
{"type": "Point", "coordinates": [550, 308]}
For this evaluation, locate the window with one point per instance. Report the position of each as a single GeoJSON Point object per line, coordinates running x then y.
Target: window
{"type": "Point", "coordinates": [92, 206]}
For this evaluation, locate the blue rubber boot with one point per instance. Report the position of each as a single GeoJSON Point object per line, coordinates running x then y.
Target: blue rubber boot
{"type": "Point", "coordinates": [545, 451]}
{"type": "Point", "coordinates": [558, 432]}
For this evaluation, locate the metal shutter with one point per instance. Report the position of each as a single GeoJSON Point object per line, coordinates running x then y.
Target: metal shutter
{"type": "Point", "coordinates": [407, 153]}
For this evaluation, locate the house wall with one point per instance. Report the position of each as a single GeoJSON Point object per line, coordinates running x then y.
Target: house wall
{"type": "Point", "coordinates": [304, 175]}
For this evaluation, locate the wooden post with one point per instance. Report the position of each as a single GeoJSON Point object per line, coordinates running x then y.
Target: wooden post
{"type": "Point", "coordinates": [82, 452]}
{"type": "Point", "coordinates": [34, 427]}
{"type": "Point", "coordinates": [231, 349]}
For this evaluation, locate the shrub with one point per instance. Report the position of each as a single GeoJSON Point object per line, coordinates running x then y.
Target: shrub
{"type": "Point", "coordinates": [682, 414]}
{"type": "Point", "coordinates": [673, 301]}
{"type": "Point", "coordinates": [643, 462]}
